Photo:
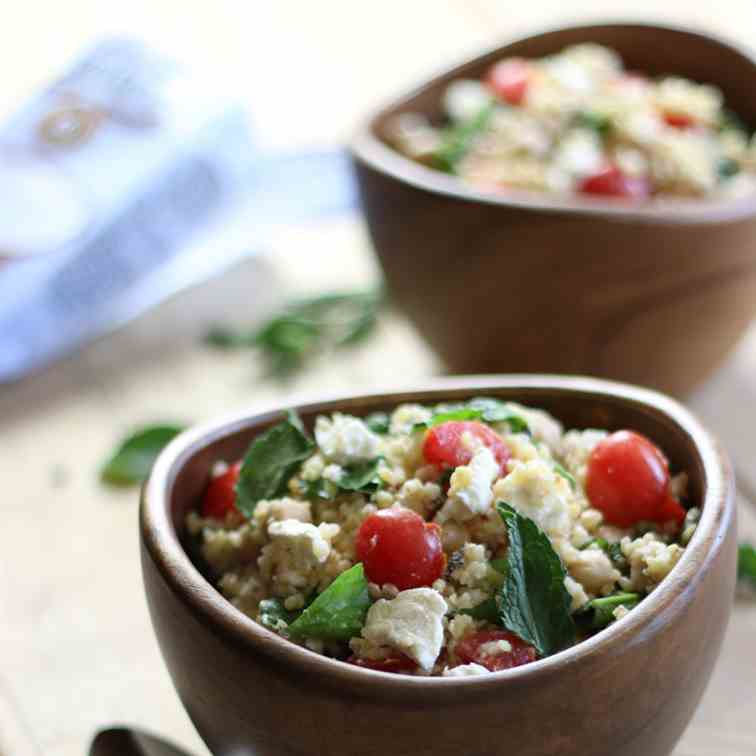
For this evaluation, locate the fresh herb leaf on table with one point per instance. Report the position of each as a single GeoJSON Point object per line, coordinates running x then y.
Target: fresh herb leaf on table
{"type": "Point", "coordinates": [339, 612]}
{"type": "Point", "coordinates": [304, 328]}
{"type": "Point", "coordinates": [533, 602]}
{"type": "Point", "coordinates": [270, 461]}
{"type": "Point", "coordinates": [132, 461]}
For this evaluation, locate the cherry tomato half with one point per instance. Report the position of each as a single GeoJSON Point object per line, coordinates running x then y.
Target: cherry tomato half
{"type": "Point", "coordinates": [443, 445]}
{"type": "Point", "coordinates": [509, 80]}
{"type": "Point", "coordinates": [628, 481]}
{"type": "Point", "coordinates": [397, 546]}
{"type": "Point", "coordinates": [397, 664]}
{"type": "Point", "coordinates": [612, 182]}
{"type": "Point", "coordinates": [469, 650]}
{"type": "Point", "coordinates": [220, 494]}
{"type": "Point", "coordinates": [678, 120]}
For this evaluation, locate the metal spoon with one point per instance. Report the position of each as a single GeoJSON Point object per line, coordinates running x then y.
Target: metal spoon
{"type": "Point", "coordinates": [126, 741]}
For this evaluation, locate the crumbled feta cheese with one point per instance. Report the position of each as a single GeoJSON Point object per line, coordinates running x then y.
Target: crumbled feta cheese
{"type": "Point", "coordinates": [295, 554]}
{"type": "Point", "coordinates": [344, 439]}
{"type": "Point", "coordinates": [411, 623]}
{"type": "Point", "coordinates": [289, 509]}
{"type": "Point", "coordinates": [580, 154]}
{"type": "Point", "coordinates": [465, 98]}
{"type": "Point", "coordinates": [470, 491]}
{"type": "Point", "coordinates": [620, 612]}
{"type": "Point", "coordinates": [495, 648]}
{"type": "Point", "coordinates": [536, 491]}
{"type": "Point", "coordinates": [465, 670]}
{"type": "Point", "coordinates": [405, 416]}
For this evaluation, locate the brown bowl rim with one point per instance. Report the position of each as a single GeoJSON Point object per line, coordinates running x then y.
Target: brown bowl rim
{"type": "Point", "coordinates": [367, 148]}
{"type": "Point", "coordinates": [163, 545]}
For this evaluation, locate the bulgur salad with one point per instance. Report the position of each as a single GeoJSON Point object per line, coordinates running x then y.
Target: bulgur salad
{"type": "Point", "coordinates": [578, 122]}
{"type": "Point", "coordinates": [450, 540]}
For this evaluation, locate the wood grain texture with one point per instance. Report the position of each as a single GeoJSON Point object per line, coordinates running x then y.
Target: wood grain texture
{"type": "Point", "coordinates": [247, 690]}
{"type": "Point", "coordinates": [656, 294]}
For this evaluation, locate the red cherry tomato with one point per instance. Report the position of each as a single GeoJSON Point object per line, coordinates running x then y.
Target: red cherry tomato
{"type": "Point", "coordinates": [397, 664]}
{"type": "Point", "coordinates": [611, 182]}
{"type": "Point", "coordinates": [220, 494]}
{"type": "Point", "coordinates": [397, 546]}
{"type": "Point", "coordinates": [509, 80]}
{"type": "Point", "coordinates": [468, 650]}
{"type": "Point", "coordinates": [443, 445]}
{"type": "Point", "coordinates": [628, 481]}
{"type": "Point", "coordinates": [678, 120]}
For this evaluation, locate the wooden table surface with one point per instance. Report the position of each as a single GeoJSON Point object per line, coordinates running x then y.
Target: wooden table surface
{"type": "Point", "coordinates": [76, 645]}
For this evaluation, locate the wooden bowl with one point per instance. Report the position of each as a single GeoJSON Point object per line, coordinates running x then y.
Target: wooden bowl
{"type": "Point", "coordinates": [628, 691]}
{"type": "Point", "coordinates": [654, 293]}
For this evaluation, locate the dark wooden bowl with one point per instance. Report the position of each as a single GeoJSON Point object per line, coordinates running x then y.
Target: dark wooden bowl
{"type": "Point", "coordinates": [628, 691]}
{"type": "Point", "coordinates": [655, 293]}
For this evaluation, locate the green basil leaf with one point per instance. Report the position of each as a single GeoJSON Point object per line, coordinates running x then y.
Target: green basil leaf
{"type": "Point", "coordinates": [338, 613]}
{"type": "Point", "coordinates": [598, 122]}
{"type": "Point", "coordinates": [599, 613]}
{"type": "Point", "coordinates": [458, 139]}
{"type": "Point", "coordinates": [481, 408]}
{"type": "Point", "coordinates": [602, 543]}
{"type": "Point", "coordinates": [500, 565]}
{"type": "Point", "coordinates": [378, 422]}
{"type": "Point", "coordinates": [747, 563]}
{"type": "Point", "coordinates": [272, 458]}
{"type": "Point", "coordinates": [566, 474]}
{"type": "Point", "coordinates": [533, 602]}
{"type": "Point", "coordinates": [320, 489]}
{"type": "Point", "coordinates": [727, 167]}
{"type": "Point", "coordinates": [487, 610]}
{"type": "Point", "coordinates": [133, 459]}
{"type": "Point", "coordinates": [275, 616]}
{"type": "Point", "coordinates": [362, 476]}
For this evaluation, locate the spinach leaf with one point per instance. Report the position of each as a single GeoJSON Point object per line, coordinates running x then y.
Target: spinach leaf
{"type": "Point", "coordinates": [458, 139]}
{"type": "Point", "coordinates": [599, 613]}
{"type": "Point", "coordinates": [566, 474]}
{"type": "Point", "coordinates": [133, 459]}
{"type": "Point", "coordinates": [533, 602]}
{"type": "Point", "coordinates": [272, 458]}
{"type": "Point", "coordinates": [339, 612]}
{"type": "Point", "coordinates": [747, 564]}
{"type": "Point", "coordinates": [362, 476]}
{"type": "Point", "coordinates": [273, 614]}
{"type": "Point", "coordinates": [378, 422]}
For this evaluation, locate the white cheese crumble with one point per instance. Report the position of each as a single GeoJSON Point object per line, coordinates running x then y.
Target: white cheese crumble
{"type": "Point", "coordinates": [411, 623]}
{"type": "Point", "coordinates": [537, 492]}
{"type": "Point", "coordinates": [495, 648]}
{"type": "Point", "coordinates": [470, 491]}
{"type": "Point", "coordinates": [465, 670]}
{"type": "Point", "coordinates": [465, 98]}
{"type": "Point", "coordinates": [343, 439]}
